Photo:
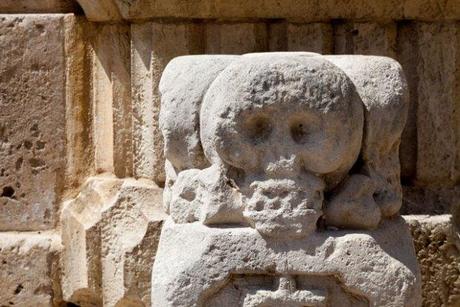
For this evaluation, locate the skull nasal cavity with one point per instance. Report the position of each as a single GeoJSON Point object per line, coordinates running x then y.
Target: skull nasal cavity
{"type": "Point", "coordinates": [258, 129]}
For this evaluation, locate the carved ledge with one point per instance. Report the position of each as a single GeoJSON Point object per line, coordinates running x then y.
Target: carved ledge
{"type": "Point", "coordinates": [115, 10]}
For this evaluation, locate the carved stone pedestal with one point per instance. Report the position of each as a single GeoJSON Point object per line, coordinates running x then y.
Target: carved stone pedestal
{"type": "Point", "coordinates": [198, 265]}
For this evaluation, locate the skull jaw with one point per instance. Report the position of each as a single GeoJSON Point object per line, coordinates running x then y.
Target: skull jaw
{"type": "Point", "coordinates": [283, 208]}
{"type": "Point", "coordinates": [276, 224]}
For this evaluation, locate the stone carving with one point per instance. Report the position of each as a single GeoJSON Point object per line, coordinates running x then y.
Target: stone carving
{"type": "Point", "coordinates": [267, 156]}
{"type": "Point", "coordinates": [110, 233]}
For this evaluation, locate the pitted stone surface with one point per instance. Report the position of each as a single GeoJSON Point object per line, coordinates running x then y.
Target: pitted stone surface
{"type": "Point", "coordinates": [110, 234]}
{"type": "Point", "coordinates": [286, 135]}
{"type": "Point", "coordinates": [29, 269]}
{"type": "Point", "coordinates": [378, 267]}
{"type": "Point", "coordinates": [284, 128]}
{"type": "Point", "coordinates": [32, 120]}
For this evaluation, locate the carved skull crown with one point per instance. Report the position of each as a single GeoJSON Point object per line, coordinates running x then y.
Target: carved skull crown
{"type": "Point", "coordinates": [257, 139]}
{"type": "Point", "coordinates": [291, 125]}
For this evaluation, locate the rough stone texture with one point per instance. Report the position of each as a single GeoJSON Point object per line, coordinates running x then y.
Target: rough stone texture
{"type": "Point", "coordinates": [110, 233]}
{"type": "Point", "coordinates": [154, 45]}
{"type": "Point", "coordinates": [279, 130]}
{"type": "Point", "coordinates": [29, 269]}
{"type": "Point", "coordinates": [429, 201]}
{"type": "Point", "coordinates": [382, 86]}
{"type": "Point", "coordinates": [314, 37]}
{"type": "Point", "coordinates": [38, 6]}
{"type": "Point", "coordinates": [437, 105]}
{"type": "Point", "coordinates": [456, 223]}
{"type": "Point", "coordinates": [407, 54]}
{"type": "Point", "coordinates": [32, 120]}
{"type": "Point", "coordinates": [379, 268]}
{"type": "Point", "coordinates": [79, 141]}
{"type": "Point", "coordinates": [235, 38]}
{"type": "Point", "coordinates": [368, 38]}
{"type": "Point", "coordinates": [111, 100]}
{"type": "Point", "coordinates": [439, 260]}
{"type": "Point", "coordinates": [305, 10]}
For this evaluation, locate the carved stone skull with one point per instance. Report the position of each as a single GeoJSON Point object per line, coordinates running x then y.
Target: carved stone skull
{"type": "Point", "coordinates": [289, 127]}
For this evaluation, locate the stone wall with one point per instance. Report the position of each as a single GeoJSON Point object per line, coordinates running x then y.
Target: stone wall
{"type": "Point", "coordinates": [79, 99]}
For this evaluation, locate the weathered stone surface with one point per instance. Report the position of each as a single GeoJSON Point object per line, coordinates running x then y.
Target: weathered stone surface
{"type": "Point", "coordinates": [32, 120]}
{"type": "Point", "coordinates": [110, 232]}
{"type": "Point", "coordinates": [407, 55]}
{"type": "Point", "coordinates": [41, 6]}
{"type": "Point", "coordinates": [154, 45]}
{"type": "Point", "coordinates": [223, 266]}
{"type": "Point", "coordinates": [280, 130]}
{"type": "Point", "coordinates": [439, 259]}
{"type": "Point", "coordinates": [29, 269]}
{"type": "Point", "coordinates": [368, 38]}
{"type": "Point", "coordinates": [111, 103]}
{"type": "Point", "coordinates": [382, 86]}
{"type": "Point", "coordinates": [437, 104]}
{"type": "Point", "coordinates": [235, 38]}
{"type": "Point", "coordinates": [79, 142]}
{"type": "Point", "coordinates": [429, 201]}
{"type": "Point", "coordinates": [315, 37]}
{"type": "Point", "coordinates": [281, 138]}
{"type": "Point", "coordinates": [303, 10]}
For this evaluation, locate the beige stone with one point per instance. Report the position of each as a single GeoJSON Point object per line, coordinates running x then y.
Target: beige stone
{"type": "Point", "coordinates": [235, 38]}
{"type": "Point", "coordinates": [154, 45]}
{"type": "Point", "coordinates": [439, 260]}
{"type": "Point", "coordinates": [29, 269]}
{"type": "Point", "coordinates": [365, 38]}
{"type": "Point", "coordinates": [437, 104]}
{"type": "Point", "coordinates": [316, 37]}
{"type": "Point", "coordinates": [306, 10]}
{"type": "Point", "coordinates": [32, 120]}
{"type": "Point", "coordinates": [38, 6]}
{"type": "Point", "coordinates": [407, 54]}
{"type": "Point", "coordinates": [79, 141]}
{"type": "Point", "coordinates": [111, 100]}
{"type": "Point", "coordinates": [110, 232]}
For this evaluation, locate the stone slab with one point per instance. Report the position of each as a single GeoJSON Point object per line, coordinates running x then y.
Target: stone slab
{"type": "Point", "coordinates": [378, 267]}
{"type": "Point", "coordinates": [306, 10]}
{"type": "Point", "coordinates": [439, 259]}
{"type": "Point", "coordinates": [28, 266]}
{"type": "Point", "coordinates": [39, 6]}
{"type": "Point", "coordinates": [32, 120]}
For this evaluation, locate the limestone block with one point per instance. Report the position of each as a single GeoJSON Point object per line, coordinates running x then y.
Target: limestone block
{"type": "Point", "coordinates": [431, 9]}
{"type": "Point", "coordinates": [431, 200]}
{"type": "Point", "coordinates": [42, 6]}
{"type": "Point", "coordinates": [382, 86]}
{"type": "Point", "coordinates": [438, 104]}
{"type": "Point", "coordinates": [307, 10]}
{"type": "Point", "coordinates": [235, 38]}
{"type": "Point", "coordinates": [232, 266]}
{"type": "Point", "coordinates": [409, 58]}
{"type": "Point", "coordinates": [153, 46]}
{"type": "Point", "coordinates": [29, 269]}
{"type": "Point", "coordinates": [110, 232]}
{"type": "Point", "coordinates": [439, 259]}
{"type": "Point", "coordinates": [79, 143]}
{"type": "Point", "coordinates": [315, 37]}
{"type": "Point", "coordinates": [258, 137]}
{"type": "Point", "coordinates": [111, 100]}
{"type": "Point", "coordinates": [298, 145]}
{"type": "Point", "coordinates": [32, 120]}
{"type": "Point", "coordinates": [365, 38]}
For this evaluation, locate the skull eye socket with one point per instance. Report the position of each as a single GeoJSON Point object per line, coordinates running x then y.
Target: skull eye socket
{"type": "Point", "coordinates": [258, 129]}
{"type": "Point", "coordinates": [299, 132]}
